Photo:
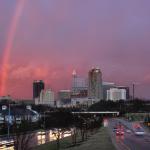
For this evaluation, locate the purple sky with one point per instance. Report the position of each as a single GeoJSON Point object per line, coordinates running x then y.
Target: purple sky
{"type": "Point", "coordinates": [55, 36]}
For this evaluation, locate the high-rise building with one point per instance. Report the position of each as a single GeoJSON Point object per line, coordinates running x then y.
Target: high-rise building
{"type": "Point", "coordinates": [74, 81]}
{"type": "Point", "coordinates": [79, 86]}
{"type": "Point", "coordinates": [95, 84]}
{"type": "Point", "coordinates": [38, 86]}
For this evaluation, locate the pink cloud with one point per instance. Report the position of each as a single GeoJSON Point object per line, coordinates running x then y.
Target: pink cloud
{"type": "Point", "coordinates": [28, 71]}
{"type": "Point", "coordinates": [54, 37]}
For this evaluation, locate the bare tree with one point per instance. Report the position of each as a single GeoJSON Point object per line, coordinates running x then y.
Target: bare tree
{"type": "Point", "coordinates": [23, 141]}
{"type": "Point", "coordinates": [74, 132]}
{"type": "Point", "coordinates": [58, 134]}
{"type": "Point", "coordinates": [22, 138]}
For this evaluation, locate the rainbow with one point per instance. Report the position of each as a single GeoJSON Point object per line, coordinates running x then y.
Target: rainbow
{"type": "Point", "coordinates": [9, 44]}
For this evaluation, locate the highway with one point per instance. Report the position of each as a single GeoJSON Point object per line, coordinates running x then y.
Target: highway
{"type": "Point", "coordinates": [128, 141]}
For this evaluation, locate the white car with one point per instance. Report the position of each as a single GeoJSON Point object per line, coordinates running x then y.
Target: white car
{"type": "Point", "coordinates": [128, 131]}
{"type": "Point", "coordinates": [139, 131]}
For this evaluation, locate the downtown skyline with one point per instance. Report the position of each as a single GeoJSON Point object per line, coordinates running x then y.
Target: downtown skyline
{"type": "Point", "coordinates": [53, 37]}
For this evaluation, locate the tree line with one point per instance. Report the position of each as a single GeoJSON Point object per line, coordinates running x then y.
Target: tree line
{"type": "Point", "coordinates": [130, 106]}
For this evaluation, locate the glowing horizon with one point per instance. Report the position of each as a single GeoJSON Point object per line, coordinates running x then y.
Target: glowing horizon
{"type": "Point", "coordinates": [49, 38]}
{"type": "Point", "coordinates": [9, 45]}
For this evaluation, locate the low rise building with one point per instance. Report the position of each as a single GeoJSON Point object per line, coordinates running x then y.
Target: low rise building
{"type": "Point", "coordinates": [64, 97]}
{"type": "Point", "coordinates": [127, 91]}
{"type": "Point", "coordinates": [16, 115]}
{"type": "Point", "coordinates": [115, 94]}
{"type": "Point", "coordinates": [107, 86]}
{"type": "Point", "coordinates": [82, 102]}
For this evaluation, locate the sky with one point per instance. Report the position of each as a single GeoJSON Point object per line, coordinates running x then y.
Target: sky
{"type": "Point", "coordinates": [47, 39]}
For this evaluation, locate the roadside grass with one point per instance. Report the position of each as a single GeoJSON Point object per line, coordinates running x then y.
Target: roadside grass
{"type": "Point", "coordinates": [99, 141]}
{"type": "Point", "coordinates": [105, 142]}
{"type": "Point", "coordinates": [64, 143]}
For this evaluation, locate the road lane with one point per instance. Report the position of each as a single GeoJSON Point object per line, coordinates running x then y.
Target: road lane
{"type": "Point", "coordinates": [129, 141]}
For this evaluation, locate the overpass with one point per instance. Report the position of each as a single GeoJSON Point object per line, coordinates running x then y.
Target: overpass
{"type": "Point", "coordinates": [98, 112]}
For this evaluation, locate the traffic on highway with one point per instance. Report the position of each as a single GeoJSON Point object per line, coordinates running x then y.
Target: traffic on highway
{"type": "Point", "coordinates": [127, 135]}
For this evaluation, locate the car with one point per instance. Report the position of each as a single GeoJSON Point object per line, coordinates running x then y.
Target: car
{"type": "Point", "coordinates": [114, 129]}
{"type": "Point", "coordinates": [119, 132]}
{"type": "Point", "coordinates": [139, 131]}
{"type": "Point", "coordinates": [128, 131]}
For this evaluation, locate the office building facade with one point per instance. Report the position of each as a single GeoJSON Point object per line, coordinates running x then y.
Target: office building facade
{"type": "Point", "coordinates": [79, 86]}
{"type": "Point", "coordinates": [46, 98]}
{"type": "Point", "coordinates": [38, 86]}
{"type": "Point", "coordinates": [64, 97]}
{"type": "Point", "coordinates": [95, 84]}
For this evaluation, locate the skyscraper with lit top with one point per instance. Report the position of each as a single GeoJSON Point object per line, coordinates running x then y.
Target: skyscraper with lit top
{"type": "Point", "coordinates": [95, 84]}
{"type": "Point", "coordinates": [79, 85]}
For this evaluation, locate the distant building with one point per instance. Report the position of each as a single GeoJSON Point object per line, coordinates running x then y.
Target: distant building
{"type": "Point", "coordinates": [24, 101]}
{"type": "Point", "coordinates": [115, 94]}
{"type": "Point", "coordinates": [82, 102]}
{"type": "Point", "coordinates": [64, 97]}
{"type": "Point", "coordinates": [107, 86]}
{"type": "Point", "coordinates": [46, 98]}
{"type": "Point", "coordinates": [74, 81]}
{"type": "Point", "coordinates": [64, 94]}
{"type": "Point", "coordinates": [95, 84]}
{"type": "Point", "coordinates": [80, 94]}
{"type": "Point", "coordinates": [38, 86]}
{"type": "Point", "coordinates": [79, 86]}
{"type": "Point", "coordinates": [17, 115]}
{"type": "Point", "coordinates": [5, 98]}
{"type": "Point", "coordinates": [127, 91]}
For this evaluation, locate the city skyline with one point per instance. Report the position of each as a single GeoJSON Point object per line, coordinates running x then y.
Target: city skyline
{"type": "Point", "coordinates": [52, 38]}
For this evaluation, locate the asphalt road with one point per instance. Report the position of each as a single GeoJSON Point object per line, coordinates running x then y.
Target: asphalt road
{"type": "Point", "coordinates": [129, 141]}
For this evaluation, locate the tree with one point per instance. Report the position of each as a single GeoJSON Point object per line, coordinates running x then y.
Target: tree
{"type": "Point", "coordinates": [21, 136]}
{"type": "Point", "coordinates": [58, 134]}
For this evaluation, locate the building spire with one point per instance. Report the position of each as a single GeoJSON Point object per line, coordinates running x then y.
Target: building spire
{"type": "Point", "coordinates": [74, 73]}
